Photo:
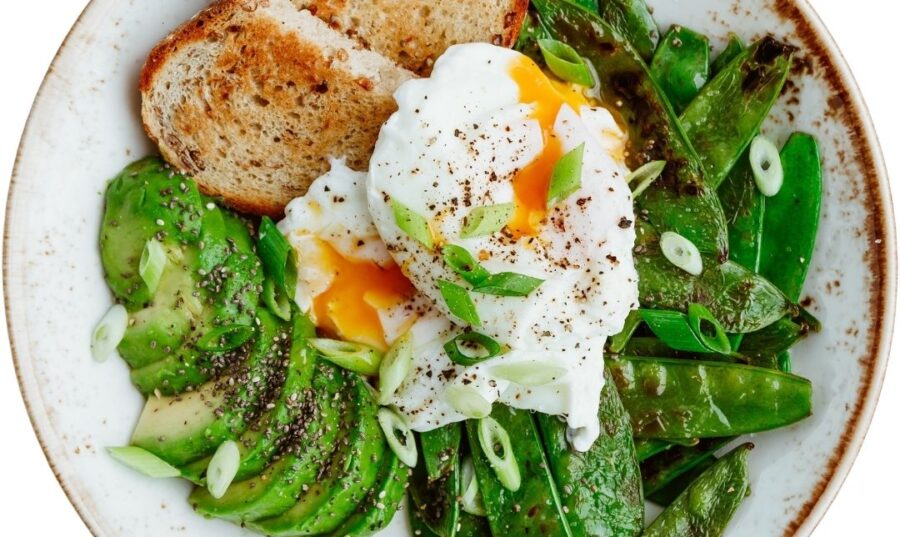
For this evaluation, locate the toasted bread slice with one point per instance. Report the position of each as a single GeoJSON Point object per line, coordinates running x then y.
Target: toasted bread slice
{"type": "Point", "coordinates": [252, 97]}
{"type": "Point", "coordinates": [414, 33]}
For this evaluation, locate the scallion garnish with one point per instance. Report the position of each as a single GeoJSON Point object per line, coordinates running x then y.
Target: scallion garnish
{"type": "Point", "coordinates": [109, 332]}
{"type": "Point", "coordinates": [395, 367]}
{"type": "Point", "coordinates": [399, 436]}
{"type": "Point", "coordinates": [278, 257]}
{"type": "Point", "coordinates": [565, 62]}
{"type": "Point", "coordinates": [489, 348]}
{"type": "Point", "coordinates": [681, 252]}
{"type": "Point", "coordinates": [413, 224]}
{"type": "Point", "coordinates": [225, 338]}
{"type": "Point", "coordinates": [766, 165]}
{"type": "Point", "coordinates": [152, 264]}
{"type": "Point", "coordinates": [645, 175]}
{"type": "Point", "coordinates": [566, 177]}
{"type": "Point", "coordinates": [275, 299]}
{"type": "Point", "coordinates": [143, 461]}
{"type": "Point", "coordinates": [487, 220]}
{"type": "Point", "coordinates": [687, 332]}
{"type": "Point", "coordinates": [497, 448]}
{"type": "Point", "coordinates": [467, 401]}
{"type": "Point", "coordinates": [355, 357]}
{"type": "Point", "coordinates": [530, 373]}
{"type": "Point", "coordinates": [223, 467]}
{"type": "Point", "coordinates": [464, 264]}
{"type": "Point", "coordinates": [470, 501]}
{"type": "Point", "coordinates": [508, 284]}
{"type": "Point", "coordinates": [459, 302]}
{"type": "Point", "coordinates": [702, 320]}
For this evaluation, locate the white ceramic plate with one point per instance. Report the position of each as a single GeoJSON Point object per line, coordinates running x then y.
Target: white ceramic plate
{"type": "Point", "coordinates": [85, 127]}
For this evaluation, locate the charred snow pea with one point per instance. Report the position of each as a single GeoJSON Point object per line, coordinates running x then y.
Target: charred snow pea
{"type": "Point", "coordinates": [744, 207]}
{"type": "Point", "coordinates": [726, 115]}
{"type": "Point", "coordinates": [610, 466]}
{"type": "Point", "coordinates": [436, 502]}
{"type": "Point", "coordinates": [633, 21]}
{"type": "Point", "coordinates": [440, 448]}
{"type": "Point", "coordinates": [469, 526]}
{"type": "Point", "coordinates": [792, 217]}
{"type": "Point", "coordinates": [535, 507]}
{"type": "Point", "coordinates": [681, 65]}
{"type": "Point", "coordinates": [650, 447]}
{"type": "Point", "coordinates": [671, 398]}
{"type": "Point", "coordinates": [661, 470]}
{"type": "Point", "coordinates": [680, 200]}
{"type": "Point", "coordinates": [705, 508]}
{"type": "Point", "coordinates": [732, 50]}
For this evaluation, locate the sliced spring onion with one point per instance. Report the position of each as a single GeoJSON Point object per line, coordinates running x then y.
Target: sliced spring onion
{"type": "Point", "coordinates": [222, 468]}
{"type": "Point", "coordinates": [275, 299]}
{"type": "Point", "coordinates": [497, 448]}
{"type": "Point", "coordinates": [486, 347]}
{"type": "Point", "coordinates": [673, 330]}
{"type": "Point", "coordinates": [278, 257]}
{"type": "Point", "coordinates": [356, 357]}
{"type": "Point", "coordinates": [648, 172]}
{"type": "Point", "coordinates": [565, 62]}
{"type": "Point", "coordinates": [413, 224]}
{"type": "Point", "coordinates": [467, 401]}
{"type": "Point", "coordinates": [462, 263]}
{"type": "Point", "coordinates": [225, 338]}
{"type": "Point", "coordinates": [487, 220]}
{"type": "Point", "coordinates": [681, 252]}
{"type": "Point", "coordinates": [765, 161]}
{"type": "Point", "coordinates": [399, 436]}
{"type": "Point", "coordinates": [508, 284]}
{"type": "Point", "coordinates": [471, 500]}
{"type": "Point", "coordinates": [703, 322]}
{"type": "Point", "coordinates": [459, 302]}
{"type": "Point", "coordinates": [530, 373]}
{"type": "Point", "coordinates": [109, 332]}
{"type": "Point", "coordinates": [143, 461]}
{"type": "Point", "coordinates": [395, 367]}
{"type": "Point", "coordinates": [618, 341]}
{"type": "Point", "coordinates": [153, 264]}
{"type": "Point", "coordinates": [566, 177]}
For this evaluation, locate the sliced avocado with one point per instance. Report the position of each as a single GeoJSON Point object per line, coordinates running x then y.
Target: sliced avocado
{"type": "Point", "coordinates": [354, 469]}
{"type": "Point", "coordinates": [219, 410]}
{"type": "Point", "coordinates": [316, 431]}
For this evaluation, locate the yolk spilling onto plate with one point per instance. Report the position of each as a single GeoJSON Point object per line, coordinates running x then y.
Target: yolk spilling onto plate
{"type": "Point", "coordinates": [532, 183]}
{"type": "Point", "coordinates": [349, 307]}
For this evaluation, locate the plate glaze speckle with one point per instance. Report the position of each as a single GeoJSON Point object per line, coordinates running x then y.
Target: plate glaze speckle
{"type": "Point", "coordinates": [85, 127]}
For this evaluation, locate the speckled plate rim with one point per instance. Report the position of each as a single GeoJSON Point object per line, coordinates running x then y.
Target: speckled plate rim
{"type": "Point", "coordinates": [881, 229]}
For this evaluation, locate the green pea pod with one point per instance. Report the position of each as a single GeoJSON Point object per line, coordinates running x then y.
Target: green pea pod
{"type": "Point", "coordinates": [667, 494]}
{"type": "Point", "coordinates": [633, 21]}
{"type": "Point", "coordinates": [726, 115]}
{"type": "Point", "coordinates": [649, 447]}
{"type": "Point", "coordinates": [661, 470]}
{"type": "Point", "coordinates": [741, 300]}
{"type": "Point", "coordinates": [705, 508]}
{"type": "Point", "coordinates": [469, 526]}
{"type": "Point", "coordinates": [744, 207]}
{"type": "Point", "coordinates": [671, 398]}
{"type": "Point", "coordinates": [681, 65]}
{"type": "Point", "coordinates": [535, 506]}
{"type": "Point", "coordinates": [732, 50]}
{"type": "Point", "coordinates": [792, 217]}
{"type": "Point", "coordinates": [436, 502]}
{"type": "Point", "coordinates": [440, 448]}
{"type": "Point", "coordinates": [610, 465]}
{"type": "Point", "coordinates": [680, 200]}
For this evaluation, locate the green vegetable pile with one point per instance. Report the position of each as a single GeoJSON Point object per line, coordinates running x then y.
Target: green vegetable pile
{"type": "Point", "coordinates": [281, 432]}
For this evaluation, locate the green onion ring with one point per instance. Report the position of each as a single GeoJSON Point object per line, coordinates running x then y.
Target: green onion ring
{"type": "Point", "coordinates": [491, 346]}
{"type": "Point", "coordinates": [355, 357]}
{"type": "Point", "coordinates": [143, 461]}
{"type": "Point", "coordinates": [471, 500]}
{"type": "Point", "coordinates": [395, 367]}
{"type": "Point", "coordinates": [109, 332]}
{"type": "Point", "coordinates": [152, 264]}
{"type": "Point", "coordinates": [491, 436]}
{"type": "Point", "coordinates": [565, 62]}
{"type": "Point", "coordinates": [765, 161]}
{"type": "Point", "coordinates": [697, 315]}
{"type": "Point", "coordinates": [222, 469]}
{"type": "Point", "coordinates": [403, 444]}
{"type": "Point", "coordinates": [681, 252]}
{"type": "Point", "coordinates": [225, 338]}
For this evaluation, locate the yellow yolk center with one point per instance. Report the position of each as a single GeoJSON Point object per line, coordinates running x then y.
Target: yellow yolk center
{"type": "Point", "coordinates": [349, 307]}
{"type": "Point", "coordinates": [532, 183]}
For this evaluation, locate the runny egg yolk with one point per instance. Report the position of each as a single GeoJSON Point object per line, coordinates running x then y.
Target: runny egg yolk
{"type": "Point", "coordinates": [349, 307]}
{"type": "Point", "coordinates": [531, 183]}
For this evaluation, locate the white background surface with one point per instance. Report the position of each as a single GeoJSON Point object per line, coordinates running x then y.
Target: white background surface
{"type": "Point", "coordinates": [31, 501]}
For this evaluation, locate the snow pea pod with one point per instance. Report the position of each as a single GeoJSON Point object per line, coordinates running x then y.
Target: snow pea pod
{"type": "Point", "coordinates": [744, 207]}
{"type": "Point", "coordinates": [633, 21]}
{"type": "Point", "coordinates": [469, 526]}
{"type": "Point", "coordinates": [671, 398]}
{"type": "Point", "coordinates": [726, 115]}
{"type": "Point", "coordinates": [649, 447]}
{"type": "Point", "coordinates": [527, 42]}
{"type": "Point", "coordinates": [792, 217]}
{"type": "Point", "coordinates": [732, 50]}
{"type": "Point", "coordinates": [436, 501]}
{"type": "Point", "coordinates": [662, 470]}
{"type": "Point", "coordinates": [601, 488]}
{"type": "Point", "coordinates": [533, 509]}
{"type": "Point", "coordinates": [706, 507]}
{"type": "Point", "coordinates": [440, 448]}
{"type": "Point", "coordinates": [741, 300]}
{"type": "Point", "coordinates": [681, 65]}
{"type": "Point", "coordinates": [680, 200]}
